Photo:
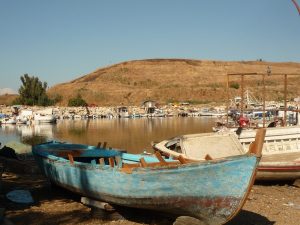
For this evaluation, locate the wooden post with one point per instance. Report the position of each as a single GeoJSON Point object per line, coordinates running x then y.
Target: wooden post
{"type": "Point", "coordinates": [104, 145]}
{"type": "Point", "coordinates": [257, 146]}
{"type": "Point", "coordinates": [242, 96]}
{"type": "Point", "coordinates": [264, 100]}
{"type": "Point", "coordinates": [111, 161]}
{"type": "Point", "coordinates": [143, 162]}
{"type": "Point", "coordinates": [160, 158]}
{"type": "Point", "coordinates": [71, 159]}
{"type": "Point", "coordinates": [182, 159]}
{"type": "Point", "coordinates": [227, 104]}
{"type": "Point", "coordinates": [101, 161]}
{"type": "Point", "coordinates": [285, 99]}
{"type": "Point", "coordinates": [118, 161]}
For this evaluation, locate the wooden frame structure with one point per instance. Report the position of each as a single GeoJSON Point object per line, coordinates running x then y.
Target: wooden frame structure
{"type": "Point", "coordinates": [242, 75]}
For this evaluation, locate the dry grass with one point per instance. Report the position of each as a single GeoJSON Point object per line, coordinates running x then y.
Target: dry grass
{"type": "Point", "coordinates": [7, 99]}
{"type": "Point", "coordinates": [165, 80]}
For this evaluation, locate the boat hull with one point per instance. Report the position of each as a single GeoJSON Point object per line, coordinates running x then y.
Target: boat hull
{"type": "Point", "coordinates": [280, 155]}
{"type": "Point", "coordinates": [210, 191]}
{"type": "Point", "coordinates": [273, 171]}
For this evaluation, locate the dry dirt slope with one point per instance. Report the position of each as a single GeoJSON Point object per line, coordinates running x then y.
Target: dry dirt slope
{"type": "Point", "coordinates": [169, 80]}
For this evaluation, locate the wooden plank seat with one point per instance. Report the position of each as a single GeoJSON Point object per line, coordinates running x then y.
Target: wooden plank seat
{"type": "Point", "coordinates": [127, 167]}
{"type": "Point", "coordinates": [116, 161]}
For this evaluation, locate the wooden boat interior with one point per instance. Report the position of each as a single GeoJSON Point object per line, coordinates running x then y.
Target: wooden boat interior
{"type": "Point", "coordinates": [111, 158]}
{"type": "Point", "coordinates": [107, 158]}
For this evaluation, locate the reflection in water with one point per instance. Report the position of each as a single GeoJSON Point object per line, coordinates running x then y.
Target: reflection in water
{"type": "Point", "coordinates": [134, 135]}
{"type": "Point", "coordinates": [28, 134]}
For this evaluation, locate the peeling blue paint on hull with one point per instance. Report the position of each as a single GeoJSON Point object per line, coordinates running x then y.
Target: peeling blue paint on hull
{"type": "Point", "coordinates": [213, 191]}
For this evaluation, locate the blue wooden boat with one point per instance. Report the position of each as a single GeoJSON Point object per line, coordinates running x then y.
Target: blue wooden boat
{"type": "Point", "coordinates": [213, 191]}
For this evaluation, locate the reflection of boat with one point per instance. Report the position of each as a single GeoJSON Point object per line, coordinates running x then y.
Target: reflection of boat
{"type": "Point", "coordinates": [281, 151]}
{"type": "Point", "coordinates": [43, 130]}
{"type": "Point", "coordinates": [213, 191]}
{"type": "Point", "coordinates": [25, 116]}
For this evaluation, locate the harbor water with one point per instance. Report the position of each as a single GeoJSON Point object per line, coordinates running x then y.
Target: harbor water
{"type": "Point", "coordinates": [133, 135]}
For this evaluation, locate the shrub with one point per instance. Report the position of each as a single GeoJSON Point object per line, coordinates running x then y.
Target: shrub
{"type": "Point", "coordinates": [77, 101]}
{"type": "Point", "coordinates": [234, 85]}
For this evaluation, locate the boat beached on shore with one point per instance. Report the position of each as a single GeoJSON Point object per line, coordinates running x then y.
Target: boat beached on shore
{"type": "Point", "coordinates": [280, 154]}
{"type": "Point", "coordinates": [213, 191]}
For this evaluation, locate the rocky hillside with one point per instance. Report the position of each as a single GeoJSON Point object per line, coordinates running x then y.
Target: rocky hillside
{"type": "Point", "coordinates": [175, 80]}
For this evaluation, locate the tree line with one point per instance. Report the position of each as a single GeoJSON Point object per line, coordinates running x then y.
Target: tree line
{"type": "Point", "coordinates": [33, 92]}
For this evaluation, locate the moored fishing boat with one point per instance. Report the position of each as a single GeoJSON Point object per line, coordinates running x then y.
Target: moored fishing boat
{"type": "Point", "coordinates": [280, 155]}
{"type": "Point", "coordinates": [141, 181]}
{"type": "Point", "coordinates": [281, 152]}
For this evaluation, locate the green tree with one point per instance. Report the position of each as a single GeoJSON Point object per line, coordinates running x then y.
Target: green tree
{"type": "Point", "coordinates": [33, 92]}
{"type": "Point", "coordinates": [77, 101]}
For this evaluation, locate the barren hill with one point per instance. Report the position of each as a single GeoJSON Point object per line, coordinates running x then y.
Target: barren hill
{"type": "Point", "coordinates": [174, 80]}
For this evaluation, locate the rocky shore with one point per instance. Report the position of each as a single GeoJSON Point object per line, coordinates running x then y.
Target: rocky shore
{"type": "Point", "coordinates": [117, 111]}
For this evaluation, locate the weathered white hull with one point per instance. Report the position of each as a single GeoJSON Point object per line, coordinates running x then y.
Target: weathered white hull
{"type": "Point", "coordinates": [280, 155]}
{"type": "Point", "coordinates": [44, 119]}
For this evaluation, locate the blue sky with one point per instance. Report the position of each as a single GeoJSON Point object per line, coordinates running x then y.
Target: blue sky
{"type": "Point", "coordinates": [60, 40]}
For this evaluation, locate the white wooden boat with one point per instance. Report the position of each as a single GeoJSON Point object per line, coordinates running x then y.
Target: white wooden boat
{"type": "Point", "coordinates": [44, 116]}
{"type": "Point", "coordinates": [212, 113]}
{"type": "Point", "coordinates": [123, 112]}
{"type": "Point", "coordinates": [280, 155]}
{"type": "Point", "coordinates": [8, 120]}
{"type": "Point", "coordinates": [281, 152]}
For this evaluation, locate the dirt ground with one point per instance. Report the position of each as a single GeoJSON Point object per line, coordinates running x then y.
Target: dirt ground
{"type": "Point", "coordinates": [267, 204]}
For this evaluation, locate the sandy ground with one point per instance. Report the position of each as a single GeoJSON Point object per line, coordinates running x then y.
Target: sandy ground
{"type": "Point", "coordinates": [267, 204]}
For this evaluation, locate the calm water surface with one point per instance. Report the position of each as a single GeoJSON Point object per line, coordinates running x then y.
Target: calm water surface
{"type": "Point", "coordinates": [134, 135]}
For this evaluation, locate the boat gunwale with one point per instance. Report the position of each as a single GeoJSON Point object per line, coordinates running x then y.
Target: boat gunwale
{"type": "Point", "coordinates": [44, 154]}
